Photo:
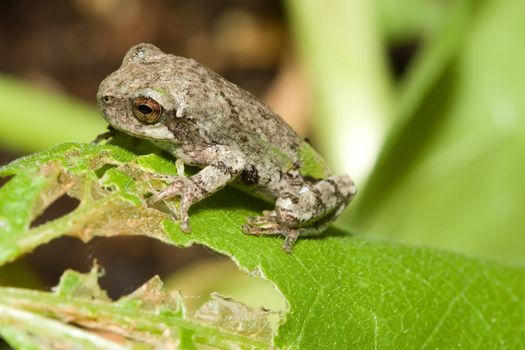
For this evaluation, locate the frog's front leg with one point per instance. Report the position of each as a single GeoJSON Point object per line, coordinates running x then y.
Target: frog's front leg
{"type": "Point", "coordinates": [221, 165]}
{"type": "Point", "coordinates": [304, 208]}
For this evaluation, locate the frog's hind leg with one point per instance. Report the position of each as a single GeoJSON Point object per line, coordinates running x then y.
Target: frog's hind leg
{"type": "Point", "coordinates": [261, 225]}
{"type": "Point", "coordinates": [304, 209]}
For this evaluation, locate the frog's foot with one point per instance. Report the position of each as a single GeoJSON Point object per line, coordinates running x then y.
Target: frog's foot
{"type": "Point", "coordinates": [180, 186]}
{"type": "Point", "coordinates": [267, 224]}
{"type": "Point", "coordinates": [262, 225]}
{"type": "Point", "coordinates": [105, 136]}
{"type": "Point", "coordinates": [304, 210]}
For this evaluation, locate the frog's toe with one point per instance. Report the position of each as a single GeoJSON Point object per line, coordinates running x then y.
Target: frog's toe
{"type": "Point", "coordinates": [185, 226]}
{"type": "Point", "coordinates": [262, 225]}
{"type": "Point", "coordinates": [175, 188]}
{"type": "Point", "coordinates": [260, 221]}
{"type": "Point", "coordinates": [265, 219]}
{"type": "Point", "coordinates": [269, 214]}
{"type": "Point", "coordinates": [151, 201]}
{"type": "Point", "coordinates": [259, 230]}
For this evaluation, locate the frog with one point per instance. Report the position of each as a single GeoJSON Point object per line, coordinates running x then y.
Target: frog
{"type": "Point", "coordinates": [231, 137]}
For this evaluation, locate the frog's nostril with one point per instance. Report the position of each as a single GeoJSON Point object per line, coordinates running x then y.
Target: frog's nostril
{"type": "Point", "coordinates": [106, 99]}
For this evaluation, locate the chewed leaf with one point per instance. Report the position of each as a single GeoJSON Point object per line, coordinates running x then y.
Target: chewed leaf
{"type": "Point", "coordinates": [151, 316]}
{"type": "Point", "coordinates": [235, 316]}
{"type": "Point", "coordinates": [107, 181]}
{"type": "Point", "coordinates": [153, 297]}
{"type": "Point", "coordinates": [355, 291]}
{"type": "Point", "coordinates": [78, 285]}
{"type": "Point", "coordinates": [29, 330]}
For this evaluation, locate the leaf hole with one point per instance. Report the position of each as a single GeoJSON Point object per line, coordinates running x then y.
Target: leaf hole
{"type": "Point", "coordinates": [128, 262]}
{"type": "Point", "coordinates": [102, 170]}
{"type": "Point", "coordinates": [60, 207]}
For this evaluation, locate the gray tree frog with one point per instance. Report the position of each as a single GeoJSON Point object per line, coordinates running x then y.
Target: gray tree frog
{"type": "Point", "coordinates": [206, 121]}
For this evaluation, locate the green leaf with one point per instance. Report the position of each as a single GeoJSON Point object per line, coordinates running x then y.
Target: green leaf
{"type": "Point", "coordinates": [341, 290]}
{"type": "Point", "coordinates": [28, 330]}
{"type": "Point", "coordinates": [150, 317]}
{"type": "Point", "coordinates": [451, 174]}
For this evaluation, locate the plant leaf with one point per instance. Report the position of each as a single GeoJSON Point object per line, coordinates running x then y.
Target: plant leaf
{"type": "Point", "coordinates": [151, 317]}
{"type": "Point", "coordinates": [341, 289]}
{"type": "Point", "coordinates": [27, 330]}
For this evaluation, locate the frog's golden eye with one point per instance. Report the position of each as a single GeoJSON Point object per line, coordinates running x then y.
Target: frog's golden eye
{"type": "Point", "coordinates": [146, 110]}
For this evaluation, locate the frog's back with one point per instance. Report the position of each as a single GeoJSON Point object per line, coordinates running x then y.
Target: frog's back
{"type": "Point", "coordinates": [232, 116]}
{"type": "Point", "coordinates": [254, 119]}
{"type": "Point", "coordinates": [265, 133]}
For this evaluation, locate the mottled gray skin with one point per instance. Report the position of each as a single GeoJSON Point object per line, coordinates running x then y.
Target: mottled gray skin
{"type": "Point", "coordinates": [211, 123]}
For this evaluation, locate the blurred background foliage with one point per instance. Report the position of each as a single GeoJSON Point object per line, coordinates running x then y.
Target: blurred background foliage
{"type": "Point", "coordinates": [421, 101]}
{"type": "Point", "coordinates": [451, 171]}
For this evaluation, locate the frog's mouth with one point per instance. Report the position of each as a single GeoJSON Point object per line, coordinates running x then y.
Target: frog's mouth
{"type": "Point", "coordinates": [130, 126]}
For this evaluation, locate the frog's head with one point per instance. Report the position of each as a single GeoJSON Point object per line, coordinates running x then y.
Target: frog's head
{"type": "Point", "coordinates": [152, 92]}
{"type": "Point", "coordinates": [138, 98]}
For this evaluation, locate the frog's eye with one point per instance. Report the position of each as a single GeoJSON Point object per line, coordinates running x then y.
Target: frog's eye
{"type": "Point", "coordinates": [146, 110]}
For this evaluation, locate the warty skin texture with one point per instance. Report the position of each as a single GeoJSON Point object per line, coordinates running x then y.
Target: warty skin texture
{"type": "Point", "coordinates": [208, 122]}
